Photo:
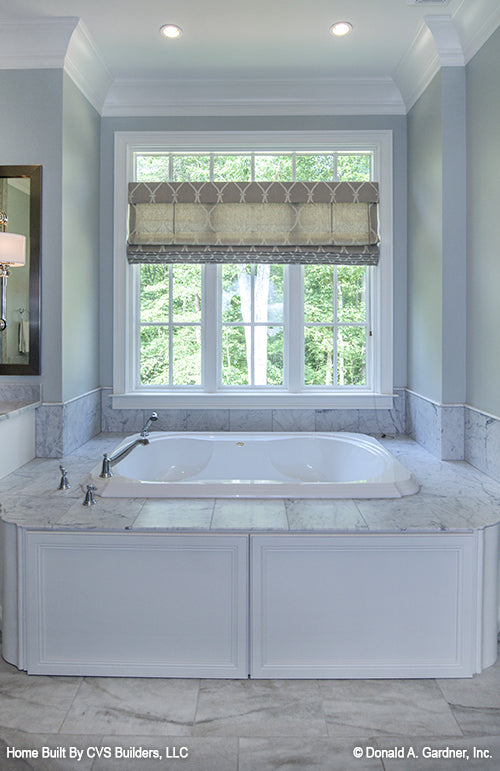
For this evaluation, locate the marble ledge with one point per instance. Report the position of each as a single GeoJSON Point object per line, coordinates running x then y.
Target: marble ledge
{"type": "Point", "coordinates": [9, 409]}
{"type": "Point", "coordinates": [454, 496]}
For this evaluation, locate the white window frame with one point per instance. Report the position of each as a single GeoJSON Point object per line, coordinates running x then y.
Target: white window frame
{"type": "Point", "coordinates": [126, 395]}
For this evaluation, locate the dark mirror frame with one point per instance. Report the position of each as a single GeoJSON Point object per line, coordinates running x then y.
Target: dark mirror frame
{"type": "Point", "coordinates": [34, 173]}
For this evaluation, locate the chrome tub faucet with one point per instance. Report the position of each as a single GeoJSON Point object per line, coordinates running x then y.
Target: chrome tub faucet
{"type": "Point", "coordinates": [110, 460]}
{"type": "Point", "coordinates": [151, 419]}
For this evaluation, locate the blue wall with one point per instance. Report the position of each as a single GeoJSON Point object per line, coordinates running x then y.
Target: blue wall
{"type": "Point", "coordinates": [483, 225]}
{"type": "Point", "coordinates": [47, 121]}
{"type": "Point", "coordinates": [437, 240]}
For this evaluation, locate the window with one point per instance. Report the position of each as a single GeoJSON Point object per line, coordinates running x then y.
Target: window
{"type": "Point", "coordinates": [255, 334]}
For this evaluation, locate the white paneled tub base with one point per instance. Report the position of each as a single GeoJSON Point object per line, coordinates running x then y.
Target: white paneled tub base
{"type": "Point", "coordinates": [353, 605]}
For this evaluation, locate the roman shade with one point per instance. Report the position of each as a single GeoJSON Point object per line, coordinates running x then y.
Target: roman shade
{"type": "Point", "coordinates": [241, 222]}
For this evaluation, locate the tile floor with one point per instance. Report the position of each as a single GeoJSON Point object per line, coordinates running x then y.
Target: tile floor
{"type": "Point", "coordinates": [247, 725]}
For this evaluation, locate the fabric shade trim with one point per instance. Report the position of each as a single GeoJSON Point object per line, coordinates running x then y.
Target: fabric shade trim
{"type": "Point", "coordinates": [292, 222]}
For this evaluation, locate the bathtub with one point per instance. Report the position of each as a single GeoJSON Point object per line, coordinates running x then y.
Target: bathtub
{"type": "Point", "coordinates": [257, 465]}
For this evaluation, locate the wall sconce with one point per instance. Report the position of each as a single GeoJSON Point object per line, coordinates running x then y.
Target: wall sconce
{"type": "Point", "coordinates": [12, 255]}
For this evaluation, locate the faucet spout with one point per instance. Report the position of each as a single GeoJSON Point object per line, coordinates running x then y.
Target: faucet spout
{"type": "Point", "coordinates": [110, 460]}
{"type": "Point", "coordinates": [151, 419]}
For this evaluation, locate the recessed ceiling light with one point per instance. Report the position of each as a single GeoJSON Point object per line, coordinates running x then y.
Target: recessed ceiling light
{"type": "Point", "coordinates": [341, 28]}
{"type": "Point", "coordinates": [171, 31]}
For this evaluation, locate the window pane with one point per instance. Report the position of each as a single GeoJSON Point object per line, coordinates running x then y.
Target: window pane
{"type": "Point", "coordinates": [318, 293]}
{"type": "Point", "coordinates": [235, 168]}
{"type": "Point", "coordinates": [276, 293]}
{"type": "Point", "coordinates": [236, 293]}
{"type": "Point", "coordinates": [186, 356]}
{"type": "Point", "coordinates": [191, 168]}
{"type": "Point", "coordinates": [152, 168]}
{"type": "Point", "coordinates": [186, 293]}
{"type": "Point", "coordinates": [154, 356]}
{"type": "Point", "coordinates": [237, 287]}
{"type": "Point", "coordinates": [354, 167]}
{"type": "Point", "coordinates": [314, 168]}
{"type": "Point", "coordinates": [351, 293]}
{"type": "Point", "coordinates": [351, 356]}
{"type": "Point", "coordinates": [318, 356]}
{"type": "Point", "coordinates": [154, 293]}
{"type": "Point", "coordinates": [268, 292]}
{"type": "Point", "coordinates": [270, 168]}
{"type": "Point", "coordinates": [274, 375]}
{"type": "Point", "coordinates": [235, 368]}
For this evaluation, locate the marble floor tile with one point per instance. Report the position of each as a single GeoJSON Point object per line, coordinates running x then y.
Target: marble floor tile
{"type": "Point", "coordinates": [360, 708]}
{"type": "Point", "coordinates": [142, 706]}
{"type": "Point", "coordinates": [327, 514]}
{"type": "Point", "coordinates": [259, 708]}
{"type": "Point", "coordinates": [480, 753]}
{"type": "Point", "coordinates": [56, 752]}
{"type": "Point", "coordinates": [295, 754]}
{"type": "Point", "coordinates": [37, 702]}
{"type": "Point", "coordinates": [249, 514]}
{"type": "Point", "coordinates": [186, 753]}
{"type": "Point", "coordinates": [475, 702]}
{"type": "Point", "coordinates": [175, 513]}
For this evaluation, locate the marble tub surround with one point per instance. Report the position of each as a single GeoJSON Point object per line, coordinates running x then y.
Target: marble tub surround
{"type": "Point", "coordinates": [61, 428]}
{"type": "Point", "coordinates": [453, 496]}
{"type": "Point", "coordinates": [437, 427]}
{"type": "Point", "coordinates": [482, 441]}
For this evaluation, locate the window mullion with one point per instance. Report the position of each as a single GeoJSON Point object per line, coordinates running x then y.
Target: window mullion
{"type": "Point", "coordinates": [211, 330]}
{"type": "Point", "coordinates": [294, 325]}
{"type": "Point", "coordinates": [134, 374]}
{"type": "Point", "coordinates": [170, 325]}
{"type": "Point", "coordinates": [335, 330]}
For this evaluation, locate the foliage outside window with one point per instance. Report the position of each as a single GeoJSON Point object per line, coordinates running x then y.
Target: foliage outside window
{"type": "Point", "coordinates": [235, 331]}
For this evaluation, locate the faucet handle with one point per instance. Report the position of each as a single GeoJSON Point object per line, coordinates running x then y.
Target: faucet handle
{"type": "Point", "coordinates": [89, 496]}
{"type": "Point", "coordinates": [106, 467]}
{"type": "Point", "coordinates": [63, 484]}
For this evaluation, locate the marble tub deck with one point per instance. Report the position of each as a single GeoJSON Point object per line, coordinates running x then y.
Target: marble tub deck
{"type": "Point", "coordinates": [453, 496]}
{"type": "Point", "coordinates": [251, 725]}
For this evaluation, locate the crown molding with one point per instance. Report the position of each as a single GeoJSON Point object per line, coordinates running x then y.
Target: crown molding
{"type": "Point", "coordinates": [418, 66]}
{"type": "Point", "coordinates": [477, 22]}
{"type": "Point", "coordinates": [84, 64]}
{"type": "Point", "coordinates": [437, 44]}
{"type": "Point", "coordinates": [283, 96]}
{"type": "Point", "coordinates": [56, 43]}
{"type": "Point", "coordinates": [27, 44]}
{"type": "Point", "coordinates": [446, 40]}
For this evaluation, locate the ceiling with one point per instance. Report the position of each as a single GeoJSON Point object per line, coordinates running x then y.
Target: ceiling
{"type": "Point", "coordinates": [259, 40]}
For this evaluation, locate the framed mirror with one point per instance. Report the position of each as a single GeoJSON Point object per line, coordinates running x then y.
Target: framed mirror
{"type": "Point", "coordinates": [20, 214]}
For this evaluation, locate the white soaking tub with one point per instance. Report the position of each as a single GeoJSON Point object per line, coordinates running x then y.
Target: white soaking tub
{"type": "Point", "coordinates": [257, 465]}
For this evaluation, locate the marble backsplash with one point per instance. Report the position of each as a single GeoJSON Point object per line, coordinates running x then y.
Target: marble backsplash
{"type": "Point", "coordinates": [20, 392]}
{"type": "Point", "coordinates": [364, 421]}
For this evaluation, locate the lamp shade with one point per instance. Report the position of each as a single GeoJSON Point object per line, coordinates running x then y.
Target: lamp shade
{"type": "Point", "coordinates": [12, 249]}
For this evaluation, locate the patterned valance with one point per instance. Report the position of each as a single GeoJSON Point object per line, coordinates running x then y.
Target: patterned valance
{"type": "Point", "coordinates": [288, 222]}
